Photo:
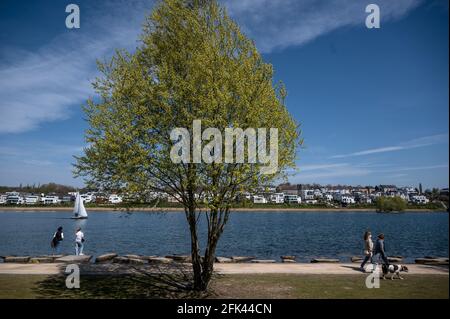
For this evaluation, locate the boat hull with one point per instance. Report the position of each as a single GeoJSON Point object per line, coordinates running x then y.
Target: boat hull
{"type": "Point", "coordinates": [78, 218]}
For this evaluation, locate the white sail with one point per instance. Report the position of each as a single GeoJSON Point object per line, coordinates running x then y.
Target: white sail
{"type": "Point", "coordinates": [79, 211]}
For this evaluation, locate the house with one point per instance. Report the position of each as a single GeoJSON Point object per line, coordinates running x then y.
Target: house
{"type": "Point", "coordinates": [419, 199]}
{"type": "Point", "coordinates": [50, 200]}
{"type": "Point", "coordinates": [14, 198]}
{"type": "Point", "coordinates": [277, 198]}
{"type": "Point", "coordinates": [115, 199]}
{"type": "Point", "coordinates": [259, 199]}
{"type": "Point", "coordinates": [347, 199]}
{"type": "Point", "coordinates": [307, 194]}
{"type": "Point", "coordinates": [288, 189]}
{"type": "Point", "coordinates": [2, 199]}
{"type": "Point", "coordinates": [32, 199]}
{"type": "Point", "coordinates": [292, 199]}
{"type": "Point", "coordinates": [328, 197]}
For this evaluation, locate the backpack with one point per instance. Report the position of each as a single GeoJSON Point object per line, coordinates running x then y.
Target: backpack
{"type": "Point", "coordinates": [58, 236]}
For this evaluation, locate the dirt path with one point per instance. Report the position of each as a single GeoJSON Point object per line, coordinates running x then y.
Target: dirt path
{"type": "Point", "coordinates": [317, 269]}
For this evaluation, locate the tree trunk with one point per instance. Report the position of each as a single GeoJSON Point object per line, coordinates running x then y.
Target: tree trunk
{"type": "Point", "coordinates": [203, 269]}
{"type": "Point", "coordinates": [208, 262]}
{"type": "Point", "coordinates": [195, 250]}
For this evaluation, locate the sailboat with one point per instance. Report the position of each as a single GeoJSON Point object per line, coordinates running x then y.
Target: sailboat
{"type": "Point", "coordinates": [79, 212]}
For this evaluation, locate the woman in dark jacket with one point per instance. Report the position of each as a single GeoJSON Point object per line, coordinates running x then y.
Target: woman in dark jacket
{"type": "Point", "coordinates": [57, 239]}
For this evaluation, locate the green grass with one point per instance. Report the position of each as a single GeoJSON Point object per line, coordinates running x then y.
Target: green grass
{"type": "Point", "coordinates": [330, 286]}
{"type": "Point", "coordinates": [227, 286]}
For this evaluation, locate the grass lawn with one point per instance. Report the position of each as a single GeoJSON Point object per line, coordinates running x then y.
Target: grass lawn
{"type": "Point", "coordinates": [229, 286]}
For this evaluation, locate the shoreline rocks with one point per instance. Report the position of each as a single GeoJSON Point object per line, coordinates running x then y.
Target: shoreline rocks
{"type": "Point", "coordinates": [16, 259]}
{"type": "Point", "coordinates": [159, 260]}
{"type": "Point", "coordinates": [288, 259]}
{"type": "Point", "coordinates": [105, 257]}
{"type": "Point", "coordinates": [241, 259]}
{"type": "Point", "coordinates": [74, 259]}
{"type": "Point", "coordinates": [129, 261]}
{"type": "Point", "coordinates": [395, 259]}
{"type": "Point", "coordinates": [324, 260]}
{"type": "Point", "coordinates": [263, 261]}
{"type": "Point", "coordinates": [41, 260]}
{"type": "Point", "coordinates": [356, 259]}
{"type": "Point", "coordinates": [180, 258]}
{"type": "Point", "coordinates": [439, 261]}
{"type": "Point", "coordinates": [223, 260]}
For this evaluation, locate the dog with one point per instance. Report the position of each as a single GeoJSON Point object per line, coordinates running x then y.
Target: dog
{"type": "Point", "coordinates": [393, 270]}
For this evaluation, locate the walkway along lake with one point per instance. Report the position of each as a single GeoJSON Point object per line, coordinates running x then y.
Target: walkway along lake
{"type": "Point", "coordinates": [265, 235]}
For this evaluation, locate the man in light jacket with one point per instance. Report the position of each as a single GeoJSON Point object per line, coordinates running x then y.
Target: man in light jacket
{"type": "Point", "coordinates": [380, 249]}
{"type": "Point", "coordinates": [79, 242]}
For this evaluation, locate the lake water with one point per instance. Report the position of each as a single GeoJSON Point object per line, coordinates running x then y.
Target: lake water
{"type": "Point", "coordinates": [265, 235]}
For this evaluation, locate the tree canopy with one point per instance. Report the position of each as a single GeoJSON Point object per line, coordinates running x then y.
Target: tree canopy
{"type": "Point", "coordinates": [192, 63]}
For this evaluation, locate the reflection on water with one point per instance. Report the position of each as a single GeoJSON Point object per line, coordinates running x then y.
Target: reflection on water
{"type": "Point", "coordinates": [264, 235]}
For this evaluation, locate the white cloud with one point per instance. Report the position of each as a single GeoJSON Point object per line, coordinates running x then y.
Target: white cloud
{"type": "Point", "coordinates": [44, 86]}
{"type": "Point", "coordinates": [415, 143]}
{"type": "Point", "coordinates": [341, 172]}
{"type": "Point", "coordinates": [325, 172]}
{"type": "Point", "coordinates": [47, 85]}
{"type": "Point", "coordinates": [415, 168]}
{"type": "Point", "coordinates": [283, 23]}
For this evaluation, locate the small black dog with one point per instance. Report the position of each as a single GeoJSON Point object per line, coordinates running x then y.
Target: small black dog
{"type": "Point", "coordinates": [393, 270]}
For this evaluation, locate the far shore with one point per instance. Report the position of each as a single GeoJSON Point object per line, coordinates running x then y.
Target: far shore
{"type": "Point", "coordinates": [180, 209]}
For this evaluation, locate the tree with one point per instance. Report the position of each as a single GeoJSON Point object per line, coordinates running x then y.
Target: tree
{"type": "Point", "coordinates": [193, 63]}
{"type": "Point", "coordinates": [390, 204]}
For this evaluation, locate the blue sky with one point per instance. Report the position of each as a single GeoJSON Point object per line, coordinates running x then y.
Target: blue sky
{"type": "Point", "coordinates": [373, 104]}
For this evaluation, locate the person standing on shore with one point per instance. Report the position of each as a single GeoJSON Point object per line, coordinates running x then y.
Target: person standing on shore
{"type": "Point", "coordinates": [58, 237]}
{"type": "Point", "coordinates": [79, 242]}
{"type": "Point", "coordinates": [380, 249]}
{"type": "Point", "coordinates": [368, 249]}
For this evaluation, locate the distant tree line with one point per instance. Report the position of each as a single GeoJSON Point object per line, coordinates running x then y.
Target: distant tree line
{"type": "Point", "coordinates": [391, 204]}
{"type": "Point", "coordinates": [38, 189]}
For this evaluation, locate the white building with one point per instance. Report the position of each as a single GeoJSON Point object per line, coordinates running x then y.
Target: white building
{"type": "Point", "coordinates": [13, 198]}
{"type": "Point", "coordinates": [259, 199]}
{"type": "Point", "coordinates": [277, 198]}
{"type": "Point", "coordinates": [307, 194]}
{"type": "Point", "coordinates": [292, 199]}
{"type": "Point", "coordinates": [115, 199]}
{"type": "Point", "coordinates": [32, 199]}
{"type": "Point", "coordinates": [50, 200]}
{"type": "Point", "coordinates": [419, 199]}
{"type": "Point", "coordinates": [2, 199]}
{"type": "Point", "coordinates": [346, 199]}
{"type": "Point", "coordinates": [88, 198]}
{"type": "Point", "coordinates": [328, 197]}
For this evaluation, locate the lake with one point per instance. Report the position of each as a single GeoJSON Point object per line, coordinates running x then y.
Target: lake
{"type": "Point", "coordinates": [265, 235]}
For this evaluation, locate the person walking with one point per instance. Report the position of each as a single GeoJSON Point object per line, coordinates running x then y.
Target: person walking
{"type": "Point", "coordinates": [79, 242]}
{"type": "Point", "coordinates": [368, 250]}
{"type": "Point", "coordinates": [58, 237]}
{"type": "Point", "coordinates": [380, 250]}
